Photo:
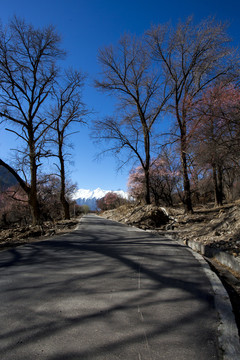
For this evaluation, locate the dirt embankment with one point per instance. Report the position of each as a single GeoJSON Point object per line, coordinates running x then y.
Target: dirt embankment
{"type": "Point", "coordinates": [19, 235]}
{"type": "Point", "coordinates": [216, 227]}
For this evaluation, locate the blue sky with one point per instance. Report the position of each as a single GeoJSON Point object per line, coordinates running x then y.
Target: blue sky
{"type": "Point", "coordinates": [86, 26]}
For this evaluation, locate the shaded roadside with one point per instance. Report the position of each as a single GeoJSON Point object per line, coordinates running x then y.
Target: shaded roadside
{"type": "Point", "coordinates": [231, 284]}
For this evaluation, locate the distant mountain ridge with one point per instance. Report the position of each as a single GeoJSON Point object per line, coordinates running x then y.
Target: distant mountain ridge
{"type": "Point", "coordinates": [6, 178]}
{"type": "Point", "coordinates": [90, 197]}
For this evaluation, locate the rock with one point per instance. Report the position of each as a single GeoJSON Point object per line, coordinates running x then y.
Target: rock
{"type": "Point", "coordinates": [51, 232]}
{"type": "Point", "coordinates": [148, 216]}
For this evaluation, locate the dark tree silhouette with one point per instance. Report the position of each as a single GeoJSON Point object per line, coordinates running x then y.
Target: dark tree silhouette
{"type": "Point", "coordinates": [193, 57]}
{"type": "Point", "coordinates": [27, 74]}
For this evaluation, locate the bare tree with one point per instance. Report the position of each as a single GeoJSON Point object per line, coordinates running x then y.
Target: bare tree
{"type": "Point", "coordinates": [193, 57]}
{"type": "Point", "coordinates": [49, 190]}
{"type": "Point", "coordinates": [27, 73]}
{"type": "Point", "coordinates": [142, 93]}
{"type": "Point", "coordinates": [68, 109]}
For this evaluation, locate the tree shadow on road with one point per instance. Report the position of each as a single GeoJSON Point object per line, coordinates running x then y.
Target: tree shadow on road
{"type": "Point", "coordinates": [104, 296]}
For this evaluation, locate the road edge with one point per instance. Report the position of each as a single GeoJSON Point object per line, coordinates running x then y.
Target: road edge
{"type": "Point", "coordinates": [228, 338]}
{"type": "Point", "coordinates": [227, 330]}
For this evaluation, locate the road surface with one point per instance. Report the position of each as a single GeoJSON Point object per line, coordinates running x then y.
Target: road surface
{"type": "Point", "coordinates": [105, 291]}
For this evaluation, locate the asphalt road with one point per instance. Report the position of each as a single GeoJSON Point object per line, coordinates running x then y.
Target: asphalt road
{"type": "Point", "coordinates": [105, 291]}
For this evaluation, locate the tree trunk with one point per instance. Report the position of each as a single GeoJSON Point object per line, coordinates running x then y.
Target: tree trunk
{"type": "Point", "coordinates": [220, 185]}
{"type": "Point", "coordinates": [186, 183]}
{"type": "Point", "coordinates": [31, 191]}
{"type": "Point", "coordinates": [64, 202]}
{"type": "Point", "coordinates": [147, 161]}
{"type": "Point", "coordinates": [32, 196]}
{"type": "Point", "coordinates": [217, 182]}
{"type": "Point", "coordinates": [147, 189]}
{"type": "Point", "coordinates": [34, 206]}
{"type": "Point", "coordinates": [186, 187]}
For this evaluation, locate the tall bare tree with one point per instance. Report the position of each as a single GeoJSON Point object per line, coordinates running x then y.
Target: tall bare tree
{"type": "Point", "coordinates": [141, 92]}
{"type": "Point", "coordinates": [193, 56]}
{"type": "Point", "coordinates": [68, 109]}
{"type": "Point", "coordinates": [27, 73]}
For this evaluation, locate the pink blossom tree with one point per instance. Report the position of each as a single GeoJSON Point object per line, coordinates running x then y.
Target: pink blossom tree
{"type": "Point", "coordinates": [215, 130]}
{"type": "Point", "coordinates": [163, 179]}
{"type": "Point", "coordinates": [110, 201]}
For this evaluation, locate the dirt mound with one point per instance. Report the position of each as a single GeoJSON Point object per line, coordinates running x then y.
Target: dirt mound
{"type": "Point", "coordinates": [142, 216]}
{"type": "Point", "coordinates": [217, 227]}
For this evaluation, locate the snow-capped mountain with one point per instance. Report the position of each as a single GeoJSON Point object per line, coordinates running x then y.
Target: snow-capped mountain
{"type": "Point", "coordinates": [88, 197]}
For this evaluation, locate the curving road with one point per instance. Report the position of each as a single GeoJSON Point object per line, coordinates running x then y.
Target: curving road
{"type": "Point", "coordinates": [105, 291]}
